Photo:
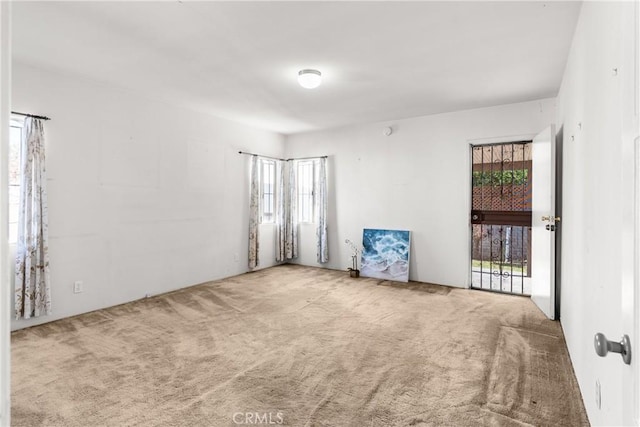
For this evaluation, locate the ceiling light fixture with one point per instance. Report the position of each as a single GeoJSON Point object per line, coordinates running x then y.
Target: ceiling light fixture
{"type": "Point", "coordinates": [309, 79]}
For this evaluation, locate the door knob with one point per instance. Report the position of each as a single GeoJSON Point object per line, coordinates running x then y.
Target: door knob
{"type": "Point", "coordinates": [604, 346]}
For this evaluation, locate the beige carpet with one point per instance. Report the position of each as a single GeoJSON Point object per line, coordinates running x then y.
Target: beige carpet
{"type": "Point", "coordinates": [301, 346]}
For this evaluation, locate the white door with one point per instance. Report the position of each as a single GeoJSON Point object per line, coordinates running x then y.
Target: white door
{"type": "Point", "coordinates": [543, 221]}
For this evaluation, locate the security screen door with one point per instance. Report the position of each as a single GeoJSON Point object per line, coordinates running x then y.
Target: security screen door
{"type": "Point", "coordinates": [501, 179]}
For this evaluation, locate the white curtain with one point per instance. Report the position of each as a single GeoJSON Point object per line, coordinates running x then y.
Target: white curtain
{"type": "Point", "coordinates": [254, 203]}
{"type": "Point", "coordinates": [32, 285]}
{"type": "Point", "coordinates": [291, 227]}
{"type": "Point", "coordinates": [281, 215]}
{"type": "Point", "coordinates": [321, 231]}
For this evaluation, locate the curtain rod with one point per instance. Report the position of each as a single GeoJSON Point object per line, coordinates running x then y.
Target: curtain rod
{"type": "Point", "coordinates": [305, 158]}
{"type": "Point", "coordinates": [260, 155]}
{"type": "Point", "coordinates": [278, 158]}
{"type": "Point", "coordinates": [30, 115]}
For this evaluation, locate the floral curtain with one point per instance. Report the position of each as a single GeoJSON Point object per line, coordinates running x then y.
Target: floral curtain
{"type": "Point", "coordinates": [32, 284]}
{"type": "Point", "coordinates": [281, 215]}
{"type": "Point", "coordinates": [254, 203]}
{"type": "Point", "coordinates": [321, 231]}
{"type": "Point", "coordinates": [291, 227]}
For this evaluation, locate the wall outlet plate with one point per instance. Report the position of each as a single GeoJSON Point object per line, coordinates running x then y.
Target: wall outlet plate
{"type": "Point", "coordinates": [77, 287]}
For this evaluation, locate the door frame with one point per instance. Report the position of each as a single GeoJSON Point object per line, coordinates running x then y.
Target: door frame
{"type": "Point", "coordinates": [635, 287]}
{"type": "Point", "coordinates": [636, 281]}
{"type": "Point", "coordinates": [6, 295]}
{"type": "Point", "coordinates": [558, 209]}
{"type": "Point", "coordinates": [469, 187]}
{"type": "Point", "coordinates": [630, 286]}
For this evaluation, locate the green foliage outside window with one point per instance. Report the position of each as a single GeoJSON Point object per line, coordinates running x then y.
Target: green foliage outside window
{"type": "Point", "coordinates": [498, 178]}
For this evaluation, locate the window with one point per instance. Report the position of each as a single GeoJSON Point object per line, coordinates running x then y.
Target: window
{"type": "Point", "coordinates": [306, 181]}
{"type": "Point", "coordinates": [15, 175]}
{"type": "Point", "coordinates": [267, 188]}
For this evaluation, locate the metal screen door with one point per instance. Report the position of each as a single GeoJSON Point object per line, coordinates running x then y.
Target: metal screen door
{"type": "Point", "coordinates": [501, 217]}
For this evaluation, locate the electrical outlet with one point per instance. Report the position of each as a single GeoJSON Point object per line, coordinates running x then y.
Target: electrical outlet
{"type": "Point", "coordinates": [77, 287]}
{"type": "Point", "coordinates": [236, 258]}
{"type": "Point", "coordinates": [598, 394]}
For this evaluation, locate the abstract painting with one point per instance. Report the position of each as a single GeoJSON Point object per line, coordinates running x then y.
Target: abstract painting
{"type": "Point", "coordinates": [385, 254]}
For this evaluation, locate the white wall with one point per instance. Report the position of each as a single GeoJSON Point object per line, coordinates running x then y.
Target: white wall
{"type": "Point", "coordinates": [417, 179]}
{"type": "Point", "coordinates": [144, 197]}
{"type": "Point", "coordinates": [594, 105]}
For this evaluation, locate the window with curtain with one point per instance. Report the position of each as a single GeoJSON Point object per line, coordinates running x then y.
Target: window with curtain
{"type": "Point", "coordinates": [32, 284]}
{"type": "Point", "coordinates": [267, 190]}
{"type": "Point", "coordinates": [15, 145]}
{"type": "Point", "coordinates": [306, 185]}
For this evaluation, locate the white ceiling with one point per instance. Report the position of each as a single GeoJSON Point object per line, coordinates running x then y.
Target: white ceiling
{"type": "Point", "coordinates": [239, 60]}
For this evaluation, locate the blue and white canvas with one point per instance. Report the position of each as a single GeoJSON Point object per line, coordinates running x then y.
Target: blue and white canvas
{"type": "Point", "coordinates": [385, 254]}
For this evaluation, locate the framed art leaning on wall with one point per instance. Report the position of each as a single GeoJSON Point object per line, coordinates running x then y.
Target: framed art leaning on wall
{"type": "Point", "coordinates": [385, 254]}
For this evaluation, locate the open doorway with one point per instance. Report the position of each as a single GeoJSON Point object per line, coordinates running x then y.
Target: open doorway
{"type": "Point", "coordinates": [501, 217]}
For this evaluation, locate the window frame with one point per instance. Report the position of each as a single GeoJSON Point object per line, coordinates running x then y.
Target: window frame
{"type": "Point", "coordinates": [264, 219]}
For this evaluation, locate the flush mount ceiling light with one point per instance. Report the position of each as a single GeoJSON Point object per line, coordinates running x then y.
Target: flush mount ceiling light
{"type": "Point", "coordinates": [309, 79]}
